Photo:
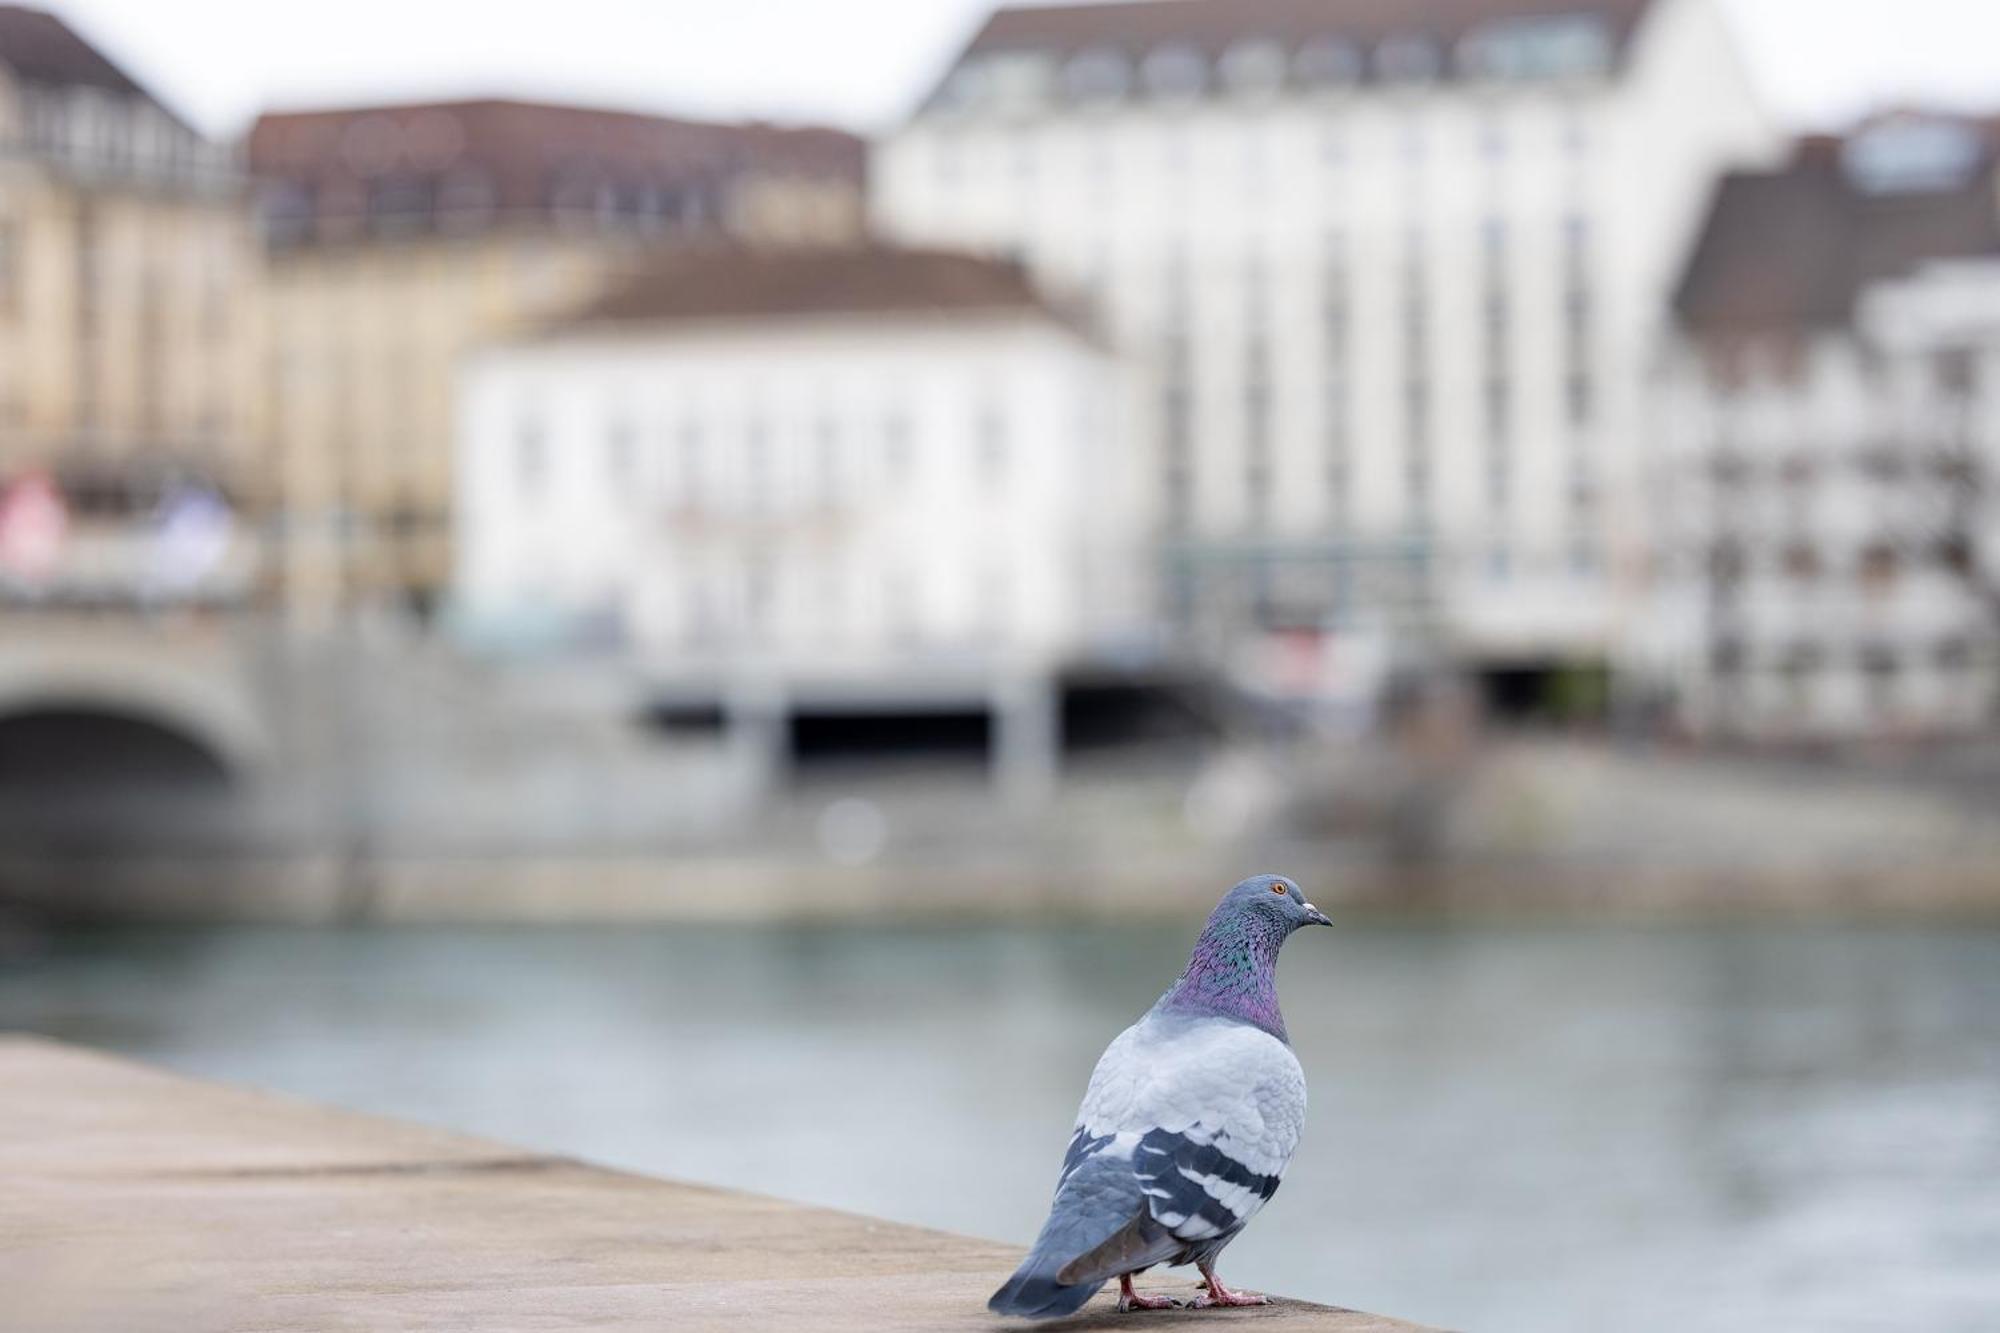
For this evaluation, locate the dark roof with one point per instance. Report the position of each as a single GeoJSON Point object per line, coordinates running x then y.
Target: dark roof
{"type": "Point", "coordinates": [734, 282]}
{"type": "Point", "coordinates": [519, 158]}
{"type": "Point", "coordinates": [40, 48]}
{"type": "Point", "coordinates": [1792, 249]}
{"type": "Point", "coordinates": [1214, 24]}
{"type": "Point", "coordinates": [520, 143]}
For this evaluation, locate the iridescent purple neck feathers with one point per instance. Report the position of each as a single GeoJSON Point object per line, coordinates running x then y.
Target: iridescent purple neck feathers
{"type": "Point", "coordinates": [1233, 972]}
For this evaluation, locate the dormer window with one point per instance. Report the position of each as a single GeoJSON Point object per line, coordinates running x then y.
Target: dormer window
{"type": "Point", "coordinates": [964, 89]}
{"type": "Point", "coordinates": [1019, 81]}
{"type": "Point", "coordinates": [1410, 58]}
{"type": "Point", "coordinates": [1328, 62]}
{"type": "Point", "coordinates": [465, 199]}
{"type": "Point", "coordinates": [1912, 155]}
{"type": "Point", "coordinates": [1567, 46]}
{"type": "Point", "coordinates": [1176, 72]}
{"type": "Point", "coordinates": [1254, 68]}
{"type": "Point", "coordinates": [1102, 75]}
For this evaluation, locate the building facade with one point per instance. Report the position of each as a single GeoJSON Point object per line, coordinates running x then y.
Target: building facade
{"type": "Point", "coordinates": [873, 480]}
{"type": "Point", "coordinates": [128, 313]}
{"type": "Point", "coordinates": [1827, 459]}
{"type": "Point", "coordinates": [399, 237]}
{"type": "Point", "coordinates": [1387, 273]}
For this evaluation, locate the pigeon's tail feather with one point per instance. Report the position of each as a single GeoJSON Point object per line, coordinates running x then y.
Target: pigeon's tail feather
{"type": "Point", "coordinates": [1034, 1293]}
{"type": "Point", "coordinates": [1098, 1229]}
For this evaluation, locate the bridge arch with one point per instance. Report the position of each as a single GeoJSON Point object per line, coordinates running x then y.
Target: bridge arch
{"type": "Point", "coordinates": [166, 714]}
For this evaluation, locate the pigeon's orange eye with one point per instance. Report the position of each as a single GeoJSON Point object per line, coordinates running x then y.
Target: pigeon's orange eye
{"type": "Point", "coordinates": [1278, 888]}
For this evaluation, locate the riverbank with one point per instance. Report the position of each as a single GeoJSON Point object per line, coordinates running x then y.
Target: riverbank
{"type": "Point", "coordinates": [1508, 828]}
{"type": "Point", "coordinates": [134, 1199]}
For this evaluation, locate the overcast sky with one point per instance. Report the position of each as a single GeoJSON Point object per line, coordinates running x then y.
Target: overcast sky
{"type": "Point", "coordinates": [860, 63]}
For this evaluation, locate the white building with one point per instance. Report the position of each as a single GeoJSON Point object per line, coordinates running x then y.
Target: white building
{"type": "Point", "coordinates": [1828, 455]}
{"type": "Point", "coordinates": [877, 479]}
{"type": "Point", "coordinates": [1386, 273]}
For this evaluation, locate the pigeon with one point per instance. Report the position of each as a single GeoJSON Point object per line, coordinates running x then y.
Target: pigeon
{"type": "Point", "coordinates": [1186, 1127]}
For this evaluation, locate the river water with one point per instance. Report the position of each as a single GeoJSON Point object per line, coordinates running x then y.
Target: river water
{"type": "Point", "coordinates": [1512, 1128]}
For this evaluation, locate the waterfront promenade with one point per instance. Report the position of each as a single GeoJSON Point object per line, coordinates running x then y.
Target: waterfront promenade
{"type": "Point", "coordinates": [133, 1199]}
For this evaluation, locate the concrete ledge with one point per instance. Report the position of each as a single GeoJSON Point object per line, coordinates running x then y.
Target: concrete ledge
{"type": "Point", "coordinates": [132, 1199]}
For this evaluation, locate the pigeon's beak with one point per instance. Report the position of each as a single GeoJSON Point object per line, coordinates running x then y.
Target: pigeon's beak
{"type": "Point", "coordinates": [1315, 917]}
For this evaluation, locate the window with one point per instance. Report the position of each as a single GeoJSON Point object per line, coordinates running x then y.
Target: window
{"type": "Point", "coordinates": [1576, 319]}
{"type": "Point", "coordinates": [1561, 46]}
{"type": "Point", "coordinates": [1727, 656]}
{"type": "Point", "coordinates": [465, 200]}
{"type": "Point", "coordinates": [1019, 80]}
{"type": "Point", "coordinates": [1326, 62]}
{"type": "Point", "coordinates": [1581, 395]}
{"type": "Point", "coordinates": [1912, 154]}
{"type": "Point", "coordinates": [1176, 72]}
{"type": "Point", "coordinates": [1879, 665]}
{"type": "Point", "coordinates": [1254, 67]}
{"type": "Point", "coordinates": [691, 463]}
{"type": "Point", "coordinates": [1879, 564]}
{"type": "Point", "coordinates": [1499, 401]}
{"type": "Point", "coordinates": [965, 87]}
{"type": "Point", "coordinates": [10, 266]}
{"type": "Point", "coordinates": [1257, 446]}
{"type": "Point", "coordinates": [1956, 372]}
{"type": "Point", "coordinates": [1582, 488]}
{"type": "Point", "coordinates": [1100, 75]}
{"type": "Point", "coordinates": [1576, 240]}
{"type": "Point", "coordinates": [1335, 319]}
{"type": "Point", "coordinates": [1408, 59]}
{"type": "Point", "coordinates": [1177, 431]}
{"type": "Point", "coordinates": [400, 204]}
{"type": "Point", "coordinates": [89, 276]}
{"type": "Point", "coordinates": [757, 464]}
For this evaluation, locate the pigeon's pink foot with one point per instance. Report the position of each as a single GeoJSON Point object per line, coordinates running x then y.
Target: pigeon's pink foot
{"type": "Point", "coordinates": [1221, 1296]}
{"type": "Point", "coordinates": [1130, 1300]}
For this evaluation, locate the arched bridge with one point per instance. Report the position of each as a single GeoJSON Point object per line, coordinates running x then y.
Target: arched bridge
{"type": "Point", "coordinates": [142, 687]}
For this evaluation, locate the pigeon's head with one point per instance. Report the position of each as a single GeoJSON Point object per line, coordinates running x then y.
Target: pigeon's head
{"type": "Point", "coordinates": [1275, 898]}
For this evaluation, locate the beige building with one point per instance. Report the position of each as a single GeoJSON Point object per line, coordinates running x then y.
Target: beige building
{"type": "Point", "coordinates": [401, 237]}
{"type": "Point", "coordinates": [127, 282]}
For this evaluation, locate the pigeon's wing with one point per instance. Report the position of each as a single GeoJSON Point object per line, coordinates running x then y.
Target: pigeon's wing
{"type": "Point", "coordinates": [1098, 1226]}
{"type": "Point", "coordinates": [1206, 1114]}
